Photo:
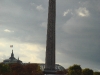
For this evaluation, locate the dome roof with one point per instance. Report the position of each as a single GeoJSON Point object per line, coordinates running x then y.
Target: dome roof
{"type": "Point", "coordinates": [12, 59]}
{"type": "Point", "coordinates": [57, 67]}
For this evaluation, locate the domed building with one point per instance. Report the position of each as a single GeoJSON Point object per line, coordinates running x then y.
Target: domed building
{"type": "Point", "coordinates": [12, 59]}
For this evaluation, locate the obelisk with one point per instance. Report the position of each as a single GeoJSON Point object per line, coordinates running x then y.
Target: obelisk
{"type": "Point", "coordinates": [50, 43]}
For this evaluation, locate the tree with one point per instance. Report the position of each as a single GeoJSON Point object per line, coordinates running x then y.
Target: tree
{"type": "Point", "coordinates": [87, 71]}
{"type": "Point", "coordinates": [74, 70]}
{"type": "Point", "coordinates": [16, 68]}
{"type": "Point", "coordinates": [33, 69]}
{"type": "Point", "coordinates": [20, 69]}
{"type": "Point", "coordinates": [96, 73]}
{"type": "Point", "coordinates": [4, 68]}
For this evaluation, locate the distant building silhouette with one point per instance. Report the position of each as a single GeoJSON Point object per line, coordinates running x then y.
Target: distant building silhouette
{"type": "Point", "coordinates": [12, 59]}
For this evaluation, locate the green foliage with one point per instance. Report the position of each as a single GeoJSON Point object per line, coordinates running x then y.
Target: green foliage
{"type": "Point", "coordinates": [4, 68]}
{"type": "Point", "coordinates": [74, 70]}
{"type": "Point", "coordinates": [96, 73]}
{"type": "Point", "coordinates": [33, 69]}
{"type": "Point", "coordinates": [87, 71]}
{"type": "Point", "coordinates": [20, 69]}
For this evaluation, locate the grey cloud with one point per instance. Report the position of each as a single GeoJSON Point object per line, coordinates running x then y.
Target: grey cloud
{"type": "Point", "coordinates": [77, 38]}
{"type": "Point", "coordinates": [81, 37]}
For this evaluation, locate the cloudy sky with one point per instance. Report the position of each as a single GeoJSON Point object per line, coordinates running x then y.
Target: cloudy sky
{"type": "Point", "coordinates": [23, 24]}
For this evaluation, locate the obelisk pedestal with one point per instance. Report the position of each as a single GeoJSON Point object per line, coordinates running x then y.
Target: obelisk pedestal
{"type": "Point", "coordinates": [50, 44]}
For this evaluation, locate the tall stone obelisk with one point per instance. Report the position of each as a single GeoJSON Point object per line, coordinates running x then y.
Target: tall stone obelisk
{"type": "Point", "coordinates": [50, 44]}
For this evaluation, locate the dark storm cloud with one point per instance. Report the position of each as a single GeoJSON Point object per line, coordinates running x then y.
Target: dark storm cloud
{"type": "Point", "coordinates": [77, 27]}
{"type": "Point", "coordinates": [81, 37]}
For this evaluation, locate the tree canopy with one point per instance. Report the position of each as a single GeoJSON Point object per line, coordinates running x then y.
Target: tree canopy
{"type": "Point", "coordinates": [77, 70]}
{"type": "Point", "coordinates": [74, 70]}
{"type": "Point", "coordinates": [96, 73]}
{"type": "Point", "coordinates": [20, 69]}
{"type": "Point", "coordinates": [87, 71]}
